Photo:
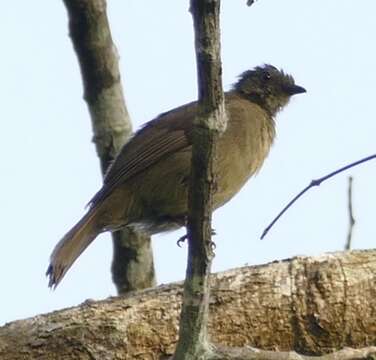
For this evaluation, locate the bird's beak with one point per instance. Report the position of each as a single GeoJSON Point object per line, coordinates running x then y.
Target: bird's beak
{"type": "Point", "coordinates": [295, 89]}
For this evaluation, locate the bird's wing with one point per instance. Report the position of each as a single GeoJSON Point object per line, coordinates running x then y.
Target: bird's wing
{"type": "Point", "coordinates": [160, 137]}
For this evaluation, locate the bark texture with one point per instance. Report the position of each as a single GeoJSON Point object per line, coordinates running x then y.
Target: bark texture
{"type": "Point", "coordinates": [210, 122]}
{"type": "Point", "coordinates": [133, 266]}
{"type": "Point", "coordinates": [310, 305]}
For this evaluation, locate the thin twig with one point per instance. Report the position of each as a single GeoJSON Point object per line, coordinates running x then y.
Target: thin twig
{"type": "Point", "coordinates": [351, 215]}
{"type": "Point", "coordinates": [313, 183]}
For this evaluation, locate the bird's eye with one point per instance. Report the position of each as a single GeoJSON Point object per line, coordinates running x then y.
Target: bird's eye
{"type": "Point", "coordinates": [267, 76]}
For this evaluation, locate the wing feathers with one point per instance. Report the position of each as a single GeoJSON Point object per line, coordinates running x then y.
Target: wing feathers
{"type": "Point", "coordinates": [155, 141]}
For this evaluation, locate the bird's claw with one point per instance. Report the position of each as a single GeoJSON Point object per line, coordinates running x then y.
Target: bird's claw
{"type": "Point", "coordinates": [181, 240]}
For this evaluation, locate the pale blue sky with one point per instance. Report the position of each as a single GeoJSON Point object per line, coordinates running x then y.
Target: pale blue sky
{"type": "Point", "coordinates": [50, 169]}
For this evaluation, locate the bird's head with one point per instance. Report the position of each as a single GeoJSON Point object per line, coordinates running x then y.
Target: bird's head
{"type": "Point", "coordinates": [268, 87]}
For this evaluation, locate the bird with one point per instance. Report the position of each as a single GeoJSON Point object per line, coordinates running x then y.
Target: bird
{"type": "Point", "coordinates": [146, 187]}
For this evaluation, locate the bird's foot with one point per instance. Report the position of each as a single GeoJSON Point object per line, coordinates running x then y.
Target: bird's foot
{"type": "Point", "coordinates": [182, 239]}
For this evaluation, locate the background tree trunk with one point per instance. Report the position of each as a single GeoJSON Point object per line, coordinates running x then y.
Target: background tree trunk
{"type": "Point", "coordinates": [132, 266]}
{"type": "Point", "coordinates": [313, 305]}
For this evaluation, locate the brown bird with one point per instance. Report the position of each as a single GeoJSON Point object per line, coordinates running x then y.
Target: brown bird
{"type": "Point", "coordinates": [147, 184]}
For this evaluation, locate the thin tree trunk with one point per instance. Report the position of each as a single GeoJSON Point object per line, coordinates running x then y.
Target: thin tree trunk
{"type": "Point", "coordinates": [313, 305]}
{"type": "Point", "coordinates": [132, 266]}
{"type": "Point", "coordinates": [209, 124]}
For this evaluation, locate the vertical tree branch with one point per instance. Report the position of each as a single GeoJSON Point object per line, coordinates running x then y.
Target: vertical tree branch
{"type": "Point", "coordinates": [209, 123]}
{"type": "Point", "coordinates": [132, 266]}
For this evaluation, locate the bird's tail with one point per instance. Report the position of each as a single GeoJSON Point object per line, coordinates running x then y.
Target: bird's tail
{"type": "Point", "coordinates": [70, 247]}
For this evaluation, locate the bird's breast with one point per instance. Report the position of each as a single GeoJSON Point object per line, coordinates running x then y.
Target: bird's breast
{"type": "Point", "coordinates": [242, 148]}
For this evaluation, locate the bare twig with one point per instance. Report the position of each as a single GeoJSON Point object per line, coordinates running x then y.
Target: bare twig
{"type": "Point", "coordinates": [313, 183]}
{"type": "Point", "coordinates": [351, 215]}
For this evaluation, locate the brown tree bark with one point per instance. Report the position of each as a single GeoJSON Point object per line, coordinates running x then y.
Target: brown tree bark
{"type": "Point", "coordinates": [209, 124]}
{"type": "Point", "coordinates": [132, 266]}
{"type": "Point", "coordinates": [312, 305]}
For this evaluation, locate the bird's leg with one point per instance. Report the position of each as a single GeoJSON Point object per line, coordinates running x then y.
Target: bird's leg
{"type": "Point", "coordinates": [182, 239]}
